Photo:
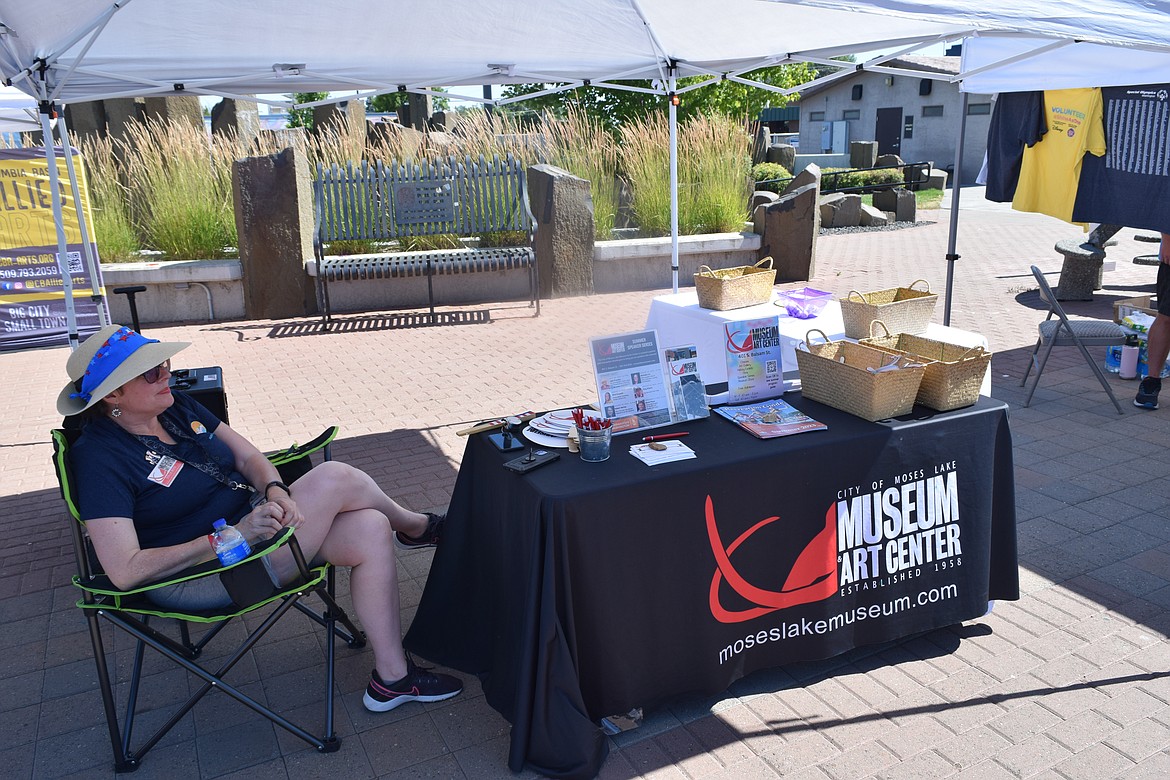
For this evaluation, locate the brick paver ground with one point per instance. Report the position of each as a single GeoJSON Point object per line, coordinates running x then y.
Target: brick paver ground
{"type": "Point", "coordinates": [1069, 682]}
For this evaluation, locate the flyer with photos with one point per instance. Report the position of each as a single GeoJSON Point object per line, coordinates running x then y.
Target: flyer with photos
{"type": "Point", "coordinates": [686, 387]}
{"type": "Point", "coordinates": [631, 385]}
{"type": "Point", "coordinates": [755, 370]}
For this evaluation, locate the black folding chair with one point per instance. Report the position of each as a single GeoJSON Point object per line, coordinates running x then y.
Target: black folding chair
{"type": "Point", "coordinates": [1063, 332]}
{"type": "Point", "coordinates": [250, 588]}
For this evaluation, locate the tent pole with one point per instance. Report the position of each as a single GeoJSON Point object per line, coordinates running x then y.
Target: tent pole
{"type": "Point", "coordinates": [62, 245]}
{"type": "Point", "coordinates": [86, 244]}
{"type": "Point", "coordinates": [672, 114]}
{"type": "Point", "coordinates": [953, 233]}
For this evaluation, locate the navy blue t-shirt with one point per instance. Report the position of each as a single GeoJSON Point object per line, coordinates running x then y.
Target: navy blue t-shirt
{"type": "Point", "coordinates": [1130, 185]}
{"type": "Point", "coordinates": [1018, 121]}
{"type": "Point", "coordinates": [115, 478]}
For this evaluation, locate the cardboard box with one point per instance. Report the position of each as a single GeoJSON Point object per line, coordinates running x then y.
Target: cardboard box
{"type": "Point", "coordinates": [1142, 303]}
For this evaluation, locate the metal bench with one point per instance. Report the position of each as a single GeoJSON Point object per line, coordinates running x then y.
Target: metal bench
{"type": "Point", "coordinates": [381, 203]}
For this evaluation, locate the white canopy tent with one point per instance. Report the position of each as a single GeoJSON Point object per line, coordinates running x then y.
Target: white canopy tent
{"type": "Point", "coordinates": [77, 50]}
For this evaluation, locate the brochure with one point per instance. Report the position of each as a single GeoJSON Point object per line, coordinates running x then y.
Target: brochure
{"type": "Point", "coordinates": [686, 387]}
{"type": "Point", "coordinates": [770, 419]}
{"type": "Point", "coordinates": [755, 370]}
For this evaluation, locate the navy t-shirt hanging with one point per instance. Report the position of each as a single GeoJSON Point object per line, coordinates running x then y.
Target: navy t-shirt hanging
{"type": "Point", "coordinates": [1017, 121]}
{"type": "Point", "coordinates": [1130, 185]}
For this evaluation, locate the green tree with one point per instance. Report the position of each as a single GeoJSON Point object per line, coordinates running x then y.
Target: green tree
{"type": "Point", "coordinates": [303, 117]}
{"type": "Point", "coordinates": [615, 107]}
{"type": "Point", "coordinates": [384, 104]}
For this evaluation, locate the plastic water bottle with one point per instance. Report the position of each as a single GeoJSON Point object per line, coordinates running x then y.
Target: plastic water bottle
{"type": "Point", "coordinates": [229, 544]}
{"type": "Point", "coordinates": [1113, 359]}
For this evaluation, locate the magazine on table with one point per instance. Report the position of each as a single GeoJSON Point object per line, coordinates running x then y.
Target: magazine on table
{"type": "Point", "coordinates": [770, 419]}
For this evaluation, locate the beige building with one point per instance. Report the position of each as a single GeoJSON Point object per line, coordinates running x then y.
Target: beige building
{"type": "Point", "coordinates": [914, 117]}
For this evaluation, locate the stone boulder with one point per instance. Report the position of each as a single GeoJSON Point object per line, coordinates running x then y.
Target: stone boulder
{"type": "Point", "coordinates": [873, 217]}
{"type": "Point", "coordinates": [762, 198]}
{"type": "Point", "coordinates": [887, 161]}
{"type": "Point", "coordinates": [898, 200]}
{"type": "Point", "coordinates": [789, 227]}
{"type": "Point", "coordinates": [839, 209]}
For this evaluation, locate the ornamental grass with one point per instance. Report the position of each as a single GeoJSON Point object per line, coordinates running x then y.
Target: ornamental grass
{"type": "Point", "coordinates": [117, 241]}
{"type": "Point", "coordinates": [180, 191]}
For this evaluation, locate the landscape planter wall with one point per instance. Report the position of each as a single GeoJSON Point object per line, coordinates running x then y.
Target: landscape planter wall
{"type": "Point", "coordinates": [644, 263]}
{"type": "Point", "coordinates": [179, 291]}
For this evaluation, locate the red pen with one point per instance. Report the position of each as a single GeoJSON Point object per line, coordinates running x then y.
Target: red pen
{"type": "Point", "coordinates": [664, 436]}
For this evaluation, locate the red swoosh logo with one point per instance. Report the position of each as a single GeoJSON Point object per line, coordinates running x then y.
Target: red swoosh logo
{"type": "Point", "coordinates": [812, 577]}
{"type": "Point", "coordinates": [743, 346]}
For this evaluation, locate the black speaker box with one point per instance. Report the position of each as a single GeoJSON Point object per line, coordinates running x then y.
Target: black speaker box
{"type": "Point", "coordinates": [205, 385]}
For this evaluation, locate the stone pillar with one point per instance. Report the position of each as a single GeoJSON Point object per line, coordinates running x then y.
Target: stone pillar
{"type": "Point", "coordinates": [122, 112]}
{"type": "Point", "coordinates": [783, 154]}
{"type": "Point", "coordinates": [87, 121]}
{"type": "Point", "coordinates": [274, 219]}
{"type": "Point", "coordinates": [762, 139]}
{"type": "Point", "coordinates": [179, 109]}
{"type": "Point", "coordinates": [863, 154]}
{"type": "Point", "coordinates": [241, 117]}
{"type": "Point", "coordinates": [443, 121]}
{"type": "Point", "coordinates": [791, 225]}
{"type": "Point", "coordinates": [563, 208]}
{"type": "Point", "coordinates": [420, 109]}
{"type": "Point", "coordinates": [332, 115]}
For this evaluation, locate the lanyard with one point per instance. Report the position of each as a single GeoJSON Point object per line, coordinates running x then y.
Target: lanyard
{"type": "Point", "coordinates": [209, 467]}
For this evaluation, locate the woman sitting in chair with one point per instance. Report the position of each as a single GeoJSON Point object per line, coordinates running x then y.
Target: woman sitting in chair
{"type": "Point", "coordinates": [154, 469]}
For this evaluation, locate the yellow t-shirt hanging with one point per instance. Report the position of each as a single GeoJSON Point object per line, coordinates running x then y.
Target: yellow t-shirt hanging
{"type": "Point", "coordinates": [1051, 168]}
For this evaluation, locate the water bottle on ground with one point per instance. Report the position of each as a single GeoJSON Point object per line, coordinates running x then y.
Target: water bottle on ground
{"type": "Point", "coordinates": [229, 544]}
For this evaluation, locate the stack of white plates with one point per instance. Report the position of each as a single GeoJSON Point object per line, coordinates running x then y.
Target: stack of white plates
{"type": "Point", "coordinates": [552, 429]}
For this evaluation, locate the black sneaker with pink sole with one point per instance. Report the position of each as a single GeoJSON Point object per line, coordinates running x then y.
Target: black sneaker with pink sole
{"type": "Point", "coordinates": [419, 684]}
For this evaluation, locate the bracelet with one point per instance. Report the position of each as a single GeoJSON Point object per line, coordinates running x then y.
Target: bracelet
{"type": "Point", "coordinates": [278, 484]}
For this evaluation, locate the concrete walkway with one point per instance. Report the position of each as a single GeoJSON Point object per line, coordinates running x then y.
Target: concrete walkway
{"type": "Point", "coordinates": [1069, 682]}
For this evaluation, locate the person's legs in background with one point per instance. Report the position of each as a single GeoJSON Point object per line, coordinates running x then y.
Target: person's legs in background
{"type": "Point", "coordinates": [1158, 344]}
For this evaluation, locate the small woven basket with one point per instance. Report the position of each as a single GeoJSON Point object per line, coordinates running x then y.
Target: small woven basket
{"type": "Point", "coordinates": [953, 374]}
{"type": "Point", "coordinates": [836, 373]}
{"type": "Point", "coordinates": [903, 309]}
{"type": "Point", "coordinates": [735, 288]}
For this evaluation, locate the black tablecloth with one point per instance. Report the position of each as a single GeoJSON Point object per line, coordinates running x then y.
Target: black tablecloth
{"type": "Point", "coordinates": [583, 590]}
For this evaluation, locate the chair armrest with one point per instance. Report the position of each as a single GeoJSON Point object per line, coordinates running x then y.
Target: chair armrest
{"type": "Point", "coordinates": [101, 584]}
{"type": "Point", "coordinates": [321, 441]}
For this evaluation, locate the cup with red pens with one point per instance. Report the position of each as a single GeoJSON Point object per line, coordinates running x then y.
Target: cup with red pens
{"type": "Point", "coordinates": [594, 434]}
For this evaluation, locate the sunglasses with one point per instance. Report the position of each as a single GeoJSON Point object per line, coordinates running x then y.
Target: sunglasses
{"type": "Point", "coordinates": [152, 375]}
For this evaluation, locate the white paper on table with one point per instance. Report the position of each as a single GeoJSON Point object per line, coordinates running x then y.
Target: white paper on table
{"type": "Point", "coordinates": [675, 450]}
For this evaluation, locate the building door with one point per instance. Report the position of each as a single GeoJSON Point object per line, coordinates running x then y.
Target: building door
{"type": "Point", "coordinates": [888, 132]}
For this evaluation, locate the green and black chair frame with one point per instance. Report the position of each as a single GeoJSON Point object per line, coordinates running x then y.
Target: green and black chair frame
{"type": "Point", "coordinates": [250, 588]}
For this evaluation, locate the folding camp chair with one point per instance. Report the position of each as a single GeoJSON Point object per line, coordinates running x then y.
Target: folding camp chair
{"type": "Point", "coordinates": [1063, 332]}
{"type": "Point", "coordinates": [248, 584]}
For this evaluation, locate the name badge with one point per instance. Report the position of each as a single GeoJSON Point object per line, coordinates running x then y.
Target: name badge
{"type": "Point", "coordinates": [165, 471]}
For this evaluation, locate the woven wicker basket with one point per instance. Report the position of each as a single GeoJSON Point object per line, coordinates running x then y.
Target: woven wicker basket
{"type": "Point", "coordinates": [903, 309]}
{"type": "Point", "coordinates": [735, 288]}
{"type": "Point", "coordinates": [953, 373]}
{"type": "Point", "coordinates": [835, 373]}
